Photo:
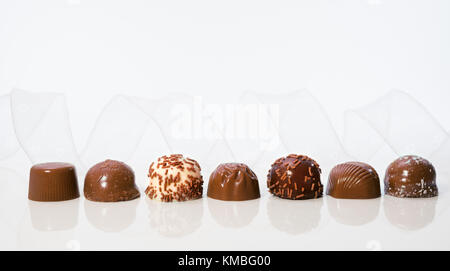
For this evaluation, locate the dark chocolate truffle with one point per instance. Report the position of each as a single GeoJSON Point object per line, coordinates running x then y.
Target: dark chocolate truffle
{"type": "Point", "coordinates": [295, 177]}
{"type": "Point", "coordinates": [174, 178]}
{"type": "Point", "coordinates": [110, 181]}
{"type": "Point", "coordinates": [353, 180]}
{"type": "Point", "coordinates": [410, 176]}
{"type": "Point", "coordinates": [53, 182]}
{"type": "Point", "coordinates": [233, 182]}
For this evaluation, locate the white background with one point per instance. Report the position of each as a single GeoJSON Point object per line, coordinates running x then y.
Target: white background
{"type": "Point", "coordinates": [346, 53]}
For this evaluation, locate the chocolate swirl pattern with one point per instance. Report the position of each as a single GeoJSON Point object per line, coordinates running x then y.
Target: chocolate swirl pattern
{"type": "Point", "coordinates": [353, 180]}
{"type": "Point", "coordinates": [233, 182]}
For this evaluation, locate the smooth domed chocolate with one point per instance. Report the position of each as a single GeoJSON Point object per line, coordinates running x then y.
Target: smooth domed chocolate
{"type": "Point", "coordinates": [353, 180]}
{"type": "Point", "coordinates": [295, 177]}
{"type": "Point", "coordinates": [233, 182]}
{"type": "Point", "coordinates": [53, 181]}
{"type": "Point", "coordinates": [110, 181]}
{"type": "Point", "coordinates": [174, 178]}
{"type": "Point", "coordinates": [411, 176]}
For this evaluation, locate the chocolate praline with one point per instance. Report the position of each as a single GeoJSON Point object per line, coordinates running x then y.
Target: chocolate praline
{"type": "Point", "coordinates": [110, 181]}
{"type": "Point", "coordinates": [54, 181]}
{"type": "Point", "coordinates": [233, 182]}
{"type": "Point", "coordinates": [353, 180]}
{"type": "Point", "coordinates": [174, 178]}
{"type": "Point", "coordinates": [295, 177]}
{"type": "Point", "coordinates": [411, 176]}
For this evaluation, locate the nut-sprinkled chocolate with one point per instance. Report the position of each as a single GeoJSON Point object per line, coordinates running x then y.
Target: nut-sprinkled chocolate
{"type": "Point", "coordinates": [353, 180]}
{"type": "Point", "coordinates": [110, 181]}
{"type": "Point", "coordinates": [175, 178]}
{"type": "Point", "coordinates": [53, 182]}
{"type": "Point", "coordinates": [295, 177]}
{"type": "Point", "coordinates": [233, 182]}
{"type": "Point", "coordinates": [410, 176]}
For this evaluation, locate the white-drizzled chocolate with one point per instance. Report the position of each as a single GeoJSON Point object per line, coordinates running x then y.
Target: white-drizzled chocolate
{"type": "Point", "coordinates": [174, 178]}
{"type": "Point", "coordinates": [411, 177]}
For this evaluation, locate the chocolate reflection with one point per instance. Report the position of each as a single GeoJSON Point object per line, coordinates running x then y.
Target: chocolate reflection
{"type": "Point", "coordinates": [294, 217]}
{"type": "Point", "coordinates": [49, 226]}
{"type": "Point", "coordinates": [54, 216]}
{"type": "Point", "coordinates": [111, 217]}
{"type": "Point", "coordinates": [410, 214]}
{"type": "Point", "coordinates": [352, 211]}
{"type": "Point", "coordinates": [233, 214]}
{"type": "Point", "coordinates": [175, 219]}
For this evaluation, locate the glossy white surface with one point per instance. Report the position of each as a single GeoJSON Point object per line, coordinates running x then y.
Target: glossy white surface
{"type": "Point", "coordinates": [268, 223]}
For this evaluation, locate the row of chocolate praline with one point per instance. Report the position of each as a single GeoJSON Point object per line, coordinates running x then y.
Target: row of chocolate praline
{"type": "Point", "coordinates": [178, 178]}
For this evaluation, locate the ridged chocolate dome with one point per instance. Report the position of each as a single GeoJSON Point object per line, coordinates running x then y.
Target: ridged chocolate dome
{"type": "Point", "coordinates": [353, 180]}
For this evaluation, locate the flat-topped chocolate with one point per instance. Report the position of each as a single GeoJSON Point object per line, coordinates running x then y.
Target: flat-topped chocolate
{"type": "Point", "coordinates": [54, 181]}
{"type": "Point", "coordinates": [353, 180]}
{"type": "Point", "coordinates": [233, 182]}
{"type": "Point", "coordinates": [411, 176]}
{"type": "Point", "coordinates": [110, 181]}
{"type": "Point", "coordinates": [295, 177]}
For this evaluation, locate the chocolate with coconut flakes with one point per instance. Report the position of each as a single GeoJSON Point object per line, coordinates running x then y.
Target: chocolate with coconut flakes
{"type": "Point", "coordinates": [411, 176]}
{"type": "Point", "coordinates": [295, 177]}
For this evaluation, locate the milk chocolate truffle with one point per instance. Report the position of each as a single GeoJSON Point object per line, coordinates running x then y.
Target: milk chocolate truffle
{"type": "Point", "coordinates": [295, 177]}
{"type": "Point", "coordinates": [53, 181]}
{"type": "Point", "coordinates": [110, 181]}
{"type": "Point", "coordinates": [174, 178]}
{"type": "Point", "coordinates": [353, 180]}
{"type": "Point", "coordinates": [233, 182]}
{"type": "Point", "coordinates": [410, 176]}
